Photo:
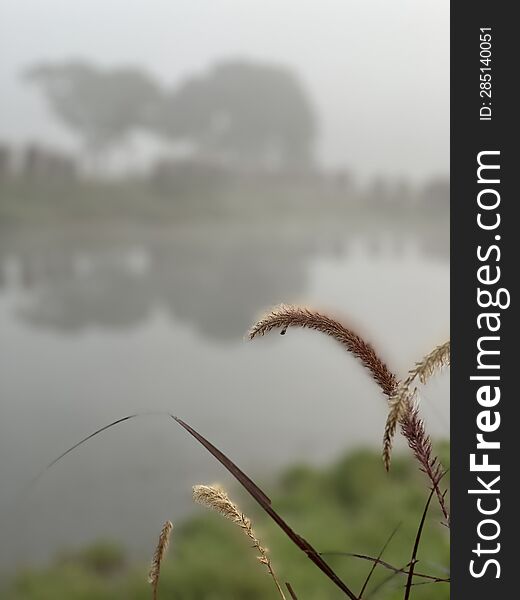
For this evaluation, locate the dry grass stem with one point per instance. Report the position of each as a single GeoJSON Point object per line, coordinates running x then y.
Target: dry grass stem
{"type": "Point", "coordinates": [403, 400]}
{"type": "Point", "coordinates": [285, 316]}
{"type": "Point", "coordinates": [413, 561]}
{"type": "Point", "coordinates": [214, 497]}
{"type": "Point", "coordinates": [160, 551]}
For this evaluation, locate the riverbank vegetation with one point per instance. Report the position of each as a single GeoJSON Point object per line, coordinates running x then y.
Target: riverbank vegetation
{"type": "Point", "coordinates": [351, 505]}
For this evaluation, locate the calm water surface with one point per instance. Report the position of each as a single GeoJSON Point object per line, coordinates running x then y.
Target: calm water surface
{"type": "Point", "coordinates": [92, 332]}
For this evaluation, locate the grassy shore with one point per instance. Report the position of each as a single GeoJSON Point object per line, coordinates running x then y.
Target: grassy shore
{"type": "Point", "coordinates": [41, 202]}
{"type": "Point", "coordinates": [351, 505]}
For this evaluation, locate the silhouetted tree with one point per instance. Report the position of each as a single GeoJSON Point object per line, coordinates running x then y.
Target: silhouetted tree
{"type": "Point", "coordinates": [242, 111]}
{"type": "Point", "coordinates": [102, 106]}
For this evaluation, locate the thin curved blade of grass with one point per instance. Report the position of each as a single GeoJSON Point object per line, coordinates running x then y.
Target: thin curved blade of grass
{"type": "Point", "coordinates": [395, 570]}
{"type": "Point", "coordinates": [89, 437]}
{"type": "Point", "coordinates": [402, 400]}
{"type": "Point", "coordinates": [400, 572]}
{"type": "Point", "coordinates": [418, 583]}
{"type": "Point", "coordinates": [375, 563]}
{"type": "Point", "coordinates": [413, 561]}
{"type": "Point", "coordinates": [292, 593]}
{"type": "Point", "coordinates": [264, 501]}
{"type": "Point", "coordinates": [382, 584]}
{"type": "Point", "coordinates": [387, 580]}
{"type": "Point", "coordinates": [28, 487]}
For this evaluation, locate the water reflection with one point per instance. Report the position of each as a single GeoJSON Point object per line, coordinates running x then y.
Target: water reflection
{"type": "Point", "coordinates": [96, 327]}
{"type": "Point", "coordinates": [214, 284]}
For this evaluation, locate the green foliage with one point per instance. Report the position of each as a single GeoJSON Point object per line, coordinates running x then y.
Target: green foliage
{"type": "Point", "coordinates": [103, 558]}
{"type": "Point", "coordinates": [351, 506]}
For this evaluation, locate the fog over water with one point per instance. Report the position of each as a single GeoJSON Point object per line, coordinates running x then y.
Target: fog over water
{"type": "Point", "coordinates": [267, 152]}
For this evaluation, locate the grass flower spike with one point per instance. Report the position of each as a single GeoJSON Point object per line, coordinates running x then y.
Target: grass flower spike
{"type": "Point", "coordinates": [158, 556]}
{"type": "Point", "coordinates": [214, 497]}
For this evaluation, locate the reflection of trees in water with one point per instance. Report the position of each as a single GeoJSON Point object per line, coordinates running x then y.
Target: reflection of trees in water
{"type": "Point", "coordinates": [215, 285]}
{"type": "Point", "coordinates": [219, 290]}
{"type": "Point", "coordinates": [108, 297]}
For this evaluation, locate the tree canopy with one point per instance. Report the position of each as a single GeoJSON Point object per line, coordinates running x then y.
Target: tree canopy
{"type": "Point", "coordinates": [247, 112]}
{"type": "Point", "coordinates": [242, 112]}
{"type": "Point", "coordinates": [102, 106]}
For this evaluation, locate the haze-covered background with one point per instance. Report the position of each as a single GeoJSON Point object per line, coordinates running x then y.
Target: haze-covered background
{"type": "Point", "coordinates": [168, 171]}
{"type": "Point", "coordinates": [377, 72]}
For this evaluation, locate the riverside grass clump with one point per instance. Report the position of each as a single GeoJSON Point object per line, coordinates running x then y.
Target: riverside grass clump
{"type": "Point", "coordinates": [403, 410]}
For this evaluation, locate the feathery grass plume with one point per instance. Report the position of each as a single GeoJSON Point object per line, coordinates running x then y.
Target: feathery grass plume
{"type": "Point", "coordinates": [412, 427]}
{"type": "Point", "coordinates": [403, 399]}
{"type": "Point", "coordinates": [285, 316]}
{"type": "Point", "coordinates": [214, 497]}
{"type": "Point", "coordinates": [158, 555]}
{"type": "Point", "coordinates": [400, 403]}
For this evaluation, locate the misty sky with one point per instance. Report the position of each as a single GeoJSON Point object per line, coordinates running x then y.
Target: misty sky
{"type": "Point", "coordinates": [377, 71]}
